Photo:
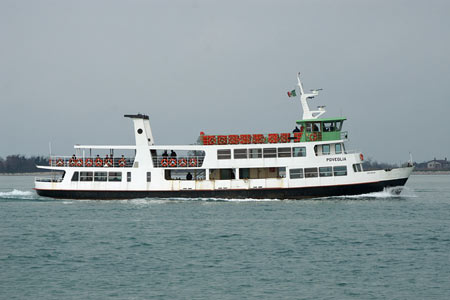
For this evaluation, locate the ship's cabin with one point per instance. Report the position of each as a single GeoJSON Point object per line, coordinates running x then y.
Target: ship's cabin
{"type": "Point", "coordinates": [321, 129]}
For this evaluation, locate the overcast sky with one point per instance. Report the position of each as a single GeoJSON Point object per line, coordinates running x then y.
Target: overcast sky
{"type": "Point", "coordinates": [70, 70]}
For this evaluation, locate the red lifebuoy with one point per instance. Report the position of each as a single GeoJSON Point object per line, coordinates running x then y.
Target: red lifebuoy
{"type": "Point", "coordinates": [122, 162]}
{"type": "Point", "coordinates": [98, 162]}
{"type": "Point", "coordinates": [108, 162]}
{"type": "Point", "coordinates": [164, 162]}
{"type": "Point", "coordinates": [79, 162]}
{"type": "Point", "coordinates": [361, 156]}
{"type": "Point", "coordinates": [173, 162]}
{"type": "Point", "coordinates": [193, 162]}
{"type": "Point", "coordinates": [72, 162]}
{"type": "Point", "coordinates": [89, 162]}
{"type": "Point", "coordinates": [59, 162]}
{"type": "Point", "coordinates": [313, 137]}
{"type": "Point", "coordinates": [182, 162]}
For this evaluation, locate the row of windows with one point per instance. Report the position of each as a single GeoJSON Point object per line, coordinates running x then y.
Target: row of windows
{"type": "Point", "coordinates": [100, 176]}
{"type": "Point", "coordinates": [260, 153]}
{"type": "Point", "coordinates": [316, 172]}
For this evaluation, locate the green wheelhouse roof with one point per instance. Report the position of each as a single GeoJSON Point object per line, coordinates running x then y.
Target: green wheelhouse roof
{"type": "Point", "coordinates": [321, 120]}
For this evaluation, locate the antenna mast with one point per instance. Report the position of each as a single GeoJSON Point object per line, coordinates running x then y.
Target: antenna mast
{"type": "Point", "coordinates": [307, 113]}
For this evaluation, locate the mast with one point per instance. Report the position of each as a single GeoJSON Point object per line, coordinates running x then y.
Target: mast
{"type": "Point", "coordinates": [307, 113]}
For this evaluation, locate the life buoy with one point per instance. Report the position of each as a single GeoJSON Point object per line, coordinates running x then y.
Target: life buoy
{"type": "Point", "coordinates": [72, 162]}
{"type": "Point", "coordinates": [89, 162]}
{"type": "Point", "coordinates": [182, 162]}
{"type": "Point", "coordinates": [98, 162]}
{"type": "Point", "coordinates": [164, 162]}
{"type": "Point", "coordinates": [173, 162]}
{"type": "Point", "coordinates": [361, 156]}
{"type": "Point", "coordinates": [122, 162]}
{"type": "Point", "coordinates": [109, 162]}
{"type": "Point", "coordinates": [50, 162]}
{"type": "Point", "coordinates": [193, 162]}
{"type": "Point", "coordinates": [59, 162]}
{"type": "Point", "coordinates": [79, 162]}
{"type": "Point", "coordinates": [313, 137]}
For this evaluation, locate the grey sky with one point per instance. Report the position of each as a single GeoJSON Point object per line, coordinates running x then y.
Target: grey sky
{"type": "Point", "coordinates": [70, 70]}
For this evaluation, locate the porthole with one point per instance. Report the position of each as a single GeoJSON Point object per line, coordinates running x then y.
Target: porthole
{"type": "Point", "coordinates": [140, 131]}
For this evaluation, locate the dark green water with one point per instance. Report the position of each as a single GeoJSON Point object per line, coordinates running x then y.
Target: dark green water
{"type": "Point", "coordinates": [375, 246]}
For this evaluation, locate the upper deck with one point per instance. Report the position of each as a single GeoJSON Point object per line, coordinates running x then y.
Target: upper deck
{"type": "Point", "coordinates": [314, 130]}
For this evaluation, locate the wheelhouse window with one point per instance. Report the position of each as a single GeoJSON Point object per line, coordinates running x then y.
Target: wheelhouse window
{"type": "Point", "coordinates": [338, 148]}
{"type": "Point", "coordinates": [254, 153]}
{"type": "Point", "coordinates": [299, 151]}
{"type": "Point", "coordinates": [100, 176]}
{"type": "Point", "coordinates": [86, 176]}
{"type": "Point", "coordinates": [75, 176]}
{"type": "Point", "coordinates": [223, 154]}
{"type": "Point", "coordinates": [270, 152]}
{"type": "Point", "coordinates": [114, 176]}
{"type": "Point", "coordinates": [285, 152]}
{"type": "Point", "coordinates": [340, 171]}
{"type": "Point", "coordinates": [240, 153]}
{"type": "Point", "coordinates": [325, 149]}
{"type": "Point", "coordinates": [325, 172]}
{"type": "Point", "coordinates": [296, 173]}
{"type": "Point", "coordinates": [311, 172]}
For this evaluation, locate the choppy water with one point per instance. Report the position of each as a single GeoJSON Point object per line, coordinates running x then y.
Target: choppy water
{"type": "Point", "coordinates": [376, 246]}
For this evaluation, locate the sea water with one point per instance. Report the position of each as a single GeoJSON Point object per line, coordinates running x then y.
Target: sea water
{"type": "Point", "coordinates": [375, 246]}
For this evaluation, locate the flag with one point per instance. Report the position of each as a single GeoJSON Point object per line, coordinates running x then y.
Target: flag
{"type": "Point", "coordinates": [292, 93]}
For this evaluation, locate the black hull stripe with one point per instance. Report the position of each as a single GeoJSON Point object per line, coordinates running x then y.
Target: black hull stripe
{"type": "Point", "coordinates": [275, 193]}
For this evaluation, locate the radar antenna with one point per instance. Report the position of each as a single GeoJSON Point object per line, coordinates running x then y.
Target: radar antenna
{"type": "Point", "coordinates": [304, 97]}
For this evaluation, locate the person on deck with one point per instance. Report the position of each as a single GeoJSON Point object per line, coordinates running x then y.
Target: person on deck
{"type": "Point", "coordinates": [165, 154]}
{"type": "Point", "coordinates": [173, 154]}
{"type": "Point", "coordinates": [296, 129]}
{"type": "Point", "coordinates": [189, 176]}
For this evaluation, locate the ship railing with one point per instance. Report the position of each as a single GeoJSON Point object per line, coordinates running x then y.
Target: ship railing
{"type": "Point", "coordinates": [94, 161]}
{"type": "Point", "coordinates": [178, 161]}
{"type": "Point", "coordinates": [273, 138]}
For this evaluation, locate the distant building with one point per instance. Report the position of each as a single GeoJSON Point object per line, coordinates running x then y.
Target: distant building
{"type": "Point", "coordinates": [437, 164]}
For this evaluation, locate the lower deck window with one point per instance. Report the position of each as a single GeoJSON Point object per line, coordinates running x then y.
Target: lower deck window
{"type": "Point", "coordinates": [100, 176]}
{"type": "Point", "coordinates": [86, 176]}
{"type": "Point", "coordinates": [128, 176]}
{"type": "Point", "coordinates": [222, 174]}
{"type": "Point", "coordinates": [262, 173]}
{"type": "Point", "coordinates": [311, 172]}
{"type": "Point", "coordinates": [115, 176]}
{"type": "Point", "coordinates": [75, 176]}
{"type": "Point", "coordinates": [325, 172]}
{"type": "Point", "coordinates": [185, 174]}
{"type": "Point", "coordinates": [149, 176]}
{"type": "Point", "coordinates": [296, 173]}
{"type": "Point", "coordinates": [357, 168]}
{"type": "Point", "coordinates": [340, 171]}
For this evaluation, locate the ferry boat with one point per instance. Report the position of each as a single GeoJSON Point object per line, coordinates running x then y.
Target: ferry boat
{"type": "Point", "coordinates": [309, 162]}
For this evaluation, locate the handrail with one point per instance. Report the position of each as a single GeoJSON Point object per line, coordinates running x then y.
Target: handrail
{"type": "Point", "coordinates": [89, 161]}
{"type": "Point", "coordinates": [190, 161]}
{"type": "Point", "coordinates": [273, 138]}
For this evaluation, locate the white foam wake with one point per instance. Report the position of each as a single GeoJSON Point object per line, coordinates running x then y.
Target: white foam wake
{"type": "Point", "coordinates": [17, 194]}
{"type": "Point", "coordinates": [390, 192]}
